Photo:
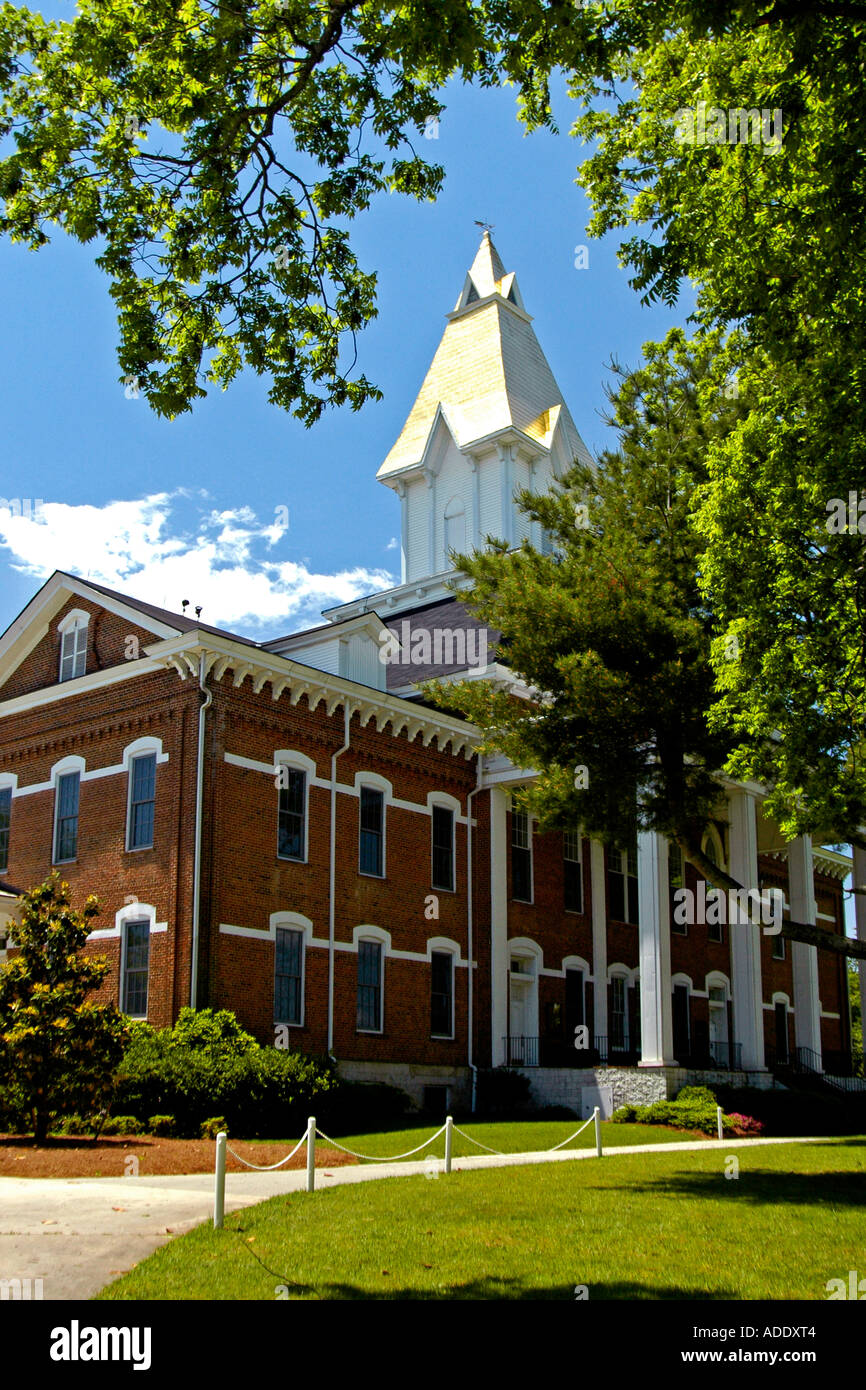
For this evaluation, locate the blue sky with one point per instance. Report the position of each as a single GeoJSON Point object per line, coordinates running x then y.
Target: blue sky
{"type": "Point", "coordinates": [186, 508]}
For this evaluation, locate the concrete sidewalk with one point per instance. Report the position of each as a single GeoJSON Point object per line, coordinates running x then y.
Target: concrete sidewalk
{"type": "Point", "coordinates": [78, 1234]}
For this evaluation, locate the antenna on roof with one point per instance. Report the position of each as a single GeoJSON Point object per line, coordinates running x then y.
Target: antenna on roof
{"type": "Point", "coordinates": [198, 611]}
{"type": "Point", "coordinates": [185, 604]}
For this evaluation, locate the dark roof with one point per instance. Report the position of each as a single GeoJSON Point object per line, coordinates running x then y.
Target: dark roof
{"type": "Point", "coordinates": [7, 888]}
{"type": "Point", "coordinates": [162, 615]}
{"type": "Point", "coordinates": [445, 616]}
{"type": "Point", "coordinates": [320, 627]}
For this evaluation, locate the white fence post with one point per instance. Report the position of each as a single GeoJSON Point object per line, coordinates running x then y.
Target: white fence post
{"type": "Point", "coordinates": [311, 1153]}
{"type": "Point", "coordinates": [719, 1124]}
{"type": "Point", "coordinates": [449, 1136]}
{"type": "Point", "coordinates": [219, 1185]}
{"type": "Point", "coordinates": [596, 1115]}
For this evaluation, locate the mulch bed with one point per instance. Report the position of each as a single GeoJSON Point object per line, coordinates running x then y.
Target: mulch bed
{"type": "Point", "coordinates": [71, 1157]}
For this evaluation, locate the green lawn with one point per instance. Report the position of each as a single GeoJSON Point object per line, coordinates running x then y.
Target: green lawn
{"type": "Point", "coordinates": [661, 1225]}
{"type": "Point", "coordinates": [508, 1136]}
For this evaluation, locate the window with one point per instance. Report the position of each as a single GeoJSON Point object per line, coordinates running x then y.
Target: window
{"type": "Point", "coordinates": [521, 856]}
{"type": "Point", "coordinates": [442, 994]}
{"type": "Point", "coordinates": [572, 871]}
{"type": "Point", "coordinates": [292, 814]}
{"type": "Point", "coordinates": [618, 1014]}
{"type": "Point", "coordinates": [66, 817]}
{"type": "Point", "coordinates": [622, 885]}
{"type": "Point", "coordinates": [676, 880]}
{"type": "Point", "coordinates": [370, 986]}
{"type": "Point", "coordinates": [443, 848]}
{"type": "Point", "coordinates": [142, 800]}
{"type": "Point", "coordinates": [778, 948]}
{"type": "Point", "coordinates": [681, 1018]}
{"type": "Point", "coordinates": [372, 835]}
{"type": "Point", "coordinates": [289, 976]}
{"type": "Point", "coordinates": [574, 1001]}
{"type": "Point", "coordinates": [73, 651]}
{"type": "Point", "coordinates": [136, 964]}
{"type": "Point", "coordinates": [5, 821]}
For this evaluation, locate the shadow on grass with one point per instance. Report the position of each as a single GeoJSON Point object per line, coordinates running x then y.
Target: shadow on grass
{"type": "Point", "coordinates": [761, 1187]}
{"type": "Point", "coordinates": [496, 1288]}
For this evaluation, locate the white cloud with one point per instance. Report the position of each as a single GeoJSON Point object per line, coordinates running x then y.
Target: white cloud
{"type": "Point", "coordinates": [219, 561]}
{"type": "Point", "coordinates": [392, 544]}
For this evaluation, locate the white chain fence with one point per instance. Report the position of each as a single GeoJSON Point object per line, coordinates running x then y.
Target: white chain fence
{"type": "Point", "coordinates": [449, 1129]}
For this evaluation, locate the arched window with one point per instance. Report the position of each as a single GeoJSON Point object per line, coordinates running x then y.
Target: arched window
{"type": "Point", "coordinates": [73, 644]}
{"type": "Point", "coordinates": [455, 527]}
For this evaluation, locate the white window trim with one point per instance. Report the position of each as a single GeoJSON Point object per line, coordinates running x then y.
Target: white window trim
{"type": "Point", "coordinates": [452, 950]}
{"type": "Point", "coordinates": [73, 763]}
{"type": "Point", "coordinates": [383, 939]}
{"type": "Point", "coordinates": [129, 763]}
{"type": "Point", "coordinates": [292, 921]}
{"type": "Point", "coordinates": [9, 782]}
{"type": "Point", "coordinates": [132, 908]}
{"type": "Point", "coordinates": [288, 757]}
{"type": "Point", "coordinates": [716, 980]}
{"type": "Point", "coordinates": [445, 803]}
{"type": "Point", "coordinates": [621, 973]}
{"type": "Point", "coordinates": [77, 620]}
{"type": "Point", "coordinates": [530, 828]}
{"type": "Point", "coordinates": [712, 833]}
{"type": "Point", "coordinates": [135, 914]}
{"type": "Point", "coordinates": [574, 911]}
{"type": "Point", "coordinates": [374, 782]}
{"type": "Point", "coordinates": [577, 963]}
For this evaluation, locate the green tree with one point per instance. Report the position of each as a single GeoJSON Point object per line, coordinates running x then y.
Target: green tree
{"type": "Point", "coordinates": [768, 218]}
{"type": "Point", "coordinates": [611, 634]}
{"type": "Point", "coordinates": [58, 1049]}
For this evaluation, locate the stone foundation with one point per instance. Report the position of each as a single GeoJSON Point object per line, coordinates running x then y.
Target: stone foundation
{"type": "Point", "coordinates": [564, 1086]}
{"type": "Point", "coordinates": [413, 1079]}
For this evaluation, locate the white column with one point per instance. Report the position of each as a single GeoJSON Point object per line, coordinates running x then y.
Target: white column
{"type": "Point", "coordinates": [473, 540]}
{"type": "Point", "coordinates": [599, 938]}
{"type": "Point", "coordinates": [804, 958]}
{"type": "Point", "coordinates": [498, 924]}
{"type": "Point", "coordinates": [402, 493]}
{"type": "Point", "coordinates": [745, 936]}
{"type": "Point", "coordinates": [431, 521]}
{"type": "Point", "coordinates": [860, 917]}
{"type": "Point", "coordinates": [654, 938]}
{"type": "Point", "coordinates": [507, 502]}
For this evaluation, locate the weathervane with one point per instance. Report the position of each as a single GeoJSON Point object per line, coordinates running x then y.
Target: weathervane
{"type": "Point", "coordinates": [488, 226]}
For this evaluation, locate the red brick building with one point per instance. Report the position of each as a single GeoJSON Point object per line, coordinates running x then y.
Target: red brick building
{"type": "Point", "coordinates": [283, 828]}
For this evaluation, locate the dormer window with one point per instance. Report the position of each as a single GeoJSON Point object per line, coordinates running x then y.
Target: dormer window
{"type": "Point", "coordinates": [73, 645]}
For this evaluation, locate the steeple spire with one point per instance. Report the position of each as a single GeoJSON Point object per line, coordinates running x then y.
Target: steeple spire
{"type": "Point", "coordinates": [487, 276]}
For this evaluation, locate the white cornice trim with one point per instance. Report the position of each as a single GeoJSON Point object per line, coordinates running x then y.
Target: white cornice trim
{"type": "Point", "coordinates": [320, 687]}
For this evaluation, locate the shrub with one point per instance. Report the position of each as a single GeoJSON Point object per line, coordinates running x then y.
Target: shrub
{"type": "Point", "coordinates": [502, 1091]}
{"type": "Point", "coordinates": [355, 1107]}
{"type": "Point", "coordinates": [207, 1063]}
{"type": "Point", "coordinates": [214, 1126]}
{"type": "Point", "coordinates": [123, 1124]}
{"type": "Point", "coordinates": [162, 1125]}
{"type": "Point", "coordinates": [742, 1125]}
{"type": "Point", "coordinates": [701, 1095]}
{"type": "Point", "coordinates": [625, 1115]}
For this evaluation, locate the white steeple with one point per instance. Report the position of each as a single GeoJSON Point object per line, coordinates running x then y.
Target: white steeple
{"type": "Point", "coordinates": [489, 418]}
